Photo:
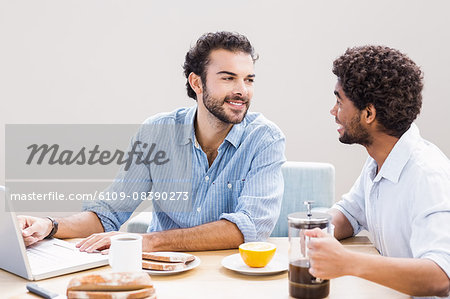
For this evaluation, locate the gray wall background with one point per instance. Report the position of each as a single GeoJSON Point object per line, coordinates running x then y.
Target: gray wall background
{"type": "Point", "coordinates": [120, 62]}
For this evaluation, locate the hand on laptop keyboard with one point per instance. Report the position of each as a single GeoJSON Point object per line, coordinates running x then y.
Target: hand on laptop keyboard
{"type": "Point", "coordinates": [100, 242]}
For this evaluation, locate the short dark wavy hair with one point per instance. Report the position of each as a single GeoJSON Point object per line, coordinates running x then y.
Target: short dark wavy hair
{"type": "Point", "coordinates": [197, 58]}
{"type": "Point", "coordinates": [385, 78]}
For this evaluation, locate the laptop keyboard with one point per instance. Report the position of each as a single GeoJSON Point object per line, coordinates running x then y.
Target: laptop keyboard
{"type": "Point", "coordinates": [45, 256]}
{"type": "Point", "coordinates": [49, 255]}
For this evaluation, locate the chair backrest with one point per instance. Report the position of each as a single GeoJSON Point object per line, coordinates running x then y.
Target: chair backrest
{"type": "Point", "coordinates": [304, 181]}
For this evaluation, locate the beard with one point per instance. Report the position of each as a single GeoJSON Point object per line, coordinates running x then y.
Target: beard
{"type": "Point", "coordinates": [216, 108]}
{"type": "Point", "coordinates": [354, 132]}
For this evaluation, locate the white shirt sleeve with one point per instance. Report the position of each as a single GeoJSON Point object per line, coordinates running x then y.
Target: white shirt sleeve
{"type": "Point", "coordinates": [352, 204]}
{"type": "Point", "coordinates": [430, 228]}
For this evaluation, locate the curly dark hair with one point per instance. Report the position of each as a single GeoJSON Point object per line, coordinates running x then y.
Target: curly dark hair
{"type": "Point", "coordinates": [385, 78]}
{"type": "Point", "coordinates": [197, 58]}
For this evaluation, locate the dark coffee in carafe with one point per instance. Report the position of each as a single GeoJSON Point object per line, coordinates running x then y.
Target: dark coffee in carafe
{"type": "Point", "coordinates": [303, 285]}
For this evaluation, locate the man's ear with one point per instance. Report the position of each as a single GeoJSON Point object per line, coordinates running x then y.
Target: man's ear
{"type": "Point", "coordinates": [370, 114]}
{"type": "Point", "coordinates": [196, 83]}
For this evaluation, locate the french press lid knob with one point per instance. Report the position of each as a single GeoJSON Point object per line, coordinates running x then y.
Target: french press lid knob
{"type": "Point", "coordinates": [308, 207]}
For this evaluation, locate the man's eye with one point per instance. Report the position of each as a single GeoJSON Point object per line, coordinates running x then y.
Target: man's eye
{"type": "Point", "coordinates": [250, 80]}
{"type": "Point", "coordinates": [228, 78]}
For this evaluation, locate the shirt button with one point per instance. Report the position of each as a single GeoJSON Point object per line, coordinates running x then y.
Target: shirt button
{"type": "Point", "coordinates": [206, 178]}
{"type": "Point", "coordinates": [229, 186]}
{"type": "Point", "coordinates": [199, 209]}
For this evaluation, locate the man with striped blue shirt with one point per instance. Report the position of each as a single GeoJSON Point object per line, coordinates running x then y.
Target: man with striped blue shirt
{"type": "Point", "coordinates": [236, 158]}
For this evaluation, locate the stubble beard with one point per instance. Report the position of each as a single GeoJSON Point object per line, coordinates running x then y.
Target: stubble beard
{"type": "Point", "coordinates": [354, 132]}
{"type": "Point", "coordinates": [215, 107]}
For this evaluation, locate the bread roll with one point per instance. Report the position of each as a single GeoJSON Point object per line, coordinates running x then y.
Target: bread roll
{"type": "Point", "coordinates": [137, 294]}
{"type": "Point", "coordinates": [111, 285]}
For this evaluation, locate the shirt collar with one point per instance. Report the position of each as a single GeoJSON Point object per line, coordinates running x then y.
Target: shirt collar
{"type": "Point", "coordinates": [235, 134]}
{"type": "Point", "coordinates": [399, 155]}
{"type": "Point", "coordinates": [187, 134]}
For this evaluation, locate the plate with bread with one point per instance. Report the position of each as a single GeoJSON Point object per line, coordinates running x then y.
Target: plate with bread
{"type": "Point", "coordinates": [167, 262]}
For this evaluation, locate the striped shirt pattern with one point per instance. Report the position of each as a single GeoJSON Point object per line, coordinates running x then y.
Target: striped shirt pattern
{"type": "Point", "coordinates": [244, 184]}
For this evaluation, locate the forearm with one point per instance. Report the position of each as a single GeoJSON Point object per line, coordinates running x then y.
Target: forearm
{"type": "Point", "coordinates": [416, 277]}
{"type": "Point", "coordinates": [342, 227]}
{"type": "Point", "coordinates": [79, 225]}
{"type": "Point", "coordinates": [216, 235]}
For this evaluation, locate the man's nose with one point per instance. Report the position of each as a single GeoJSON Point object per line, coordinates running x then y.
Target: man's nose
{"type": "Point", "coordinates": [240, 88]}
{"type": "Point", "coordinates": [333, 110]}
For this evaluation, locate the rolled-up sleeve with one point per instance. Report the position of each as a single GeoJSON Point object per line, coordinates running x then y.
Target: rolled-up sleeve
{"type": "Point", "coordinates": [352, 204]}
{"type": "Point", "coordinates": [430, 233]}
{"type": "Point", "coordinates": [259, 202]}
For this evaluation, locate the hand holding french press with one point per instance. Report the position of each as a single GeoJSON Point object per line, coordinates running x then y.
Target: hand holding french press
{"type": "Point", "coordinates": [327, 257]}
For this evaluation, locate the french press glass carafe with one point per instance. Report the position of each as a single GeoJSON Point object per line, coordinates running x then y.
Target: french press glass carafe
{"type": "Point", "coordinates": [301, 283]}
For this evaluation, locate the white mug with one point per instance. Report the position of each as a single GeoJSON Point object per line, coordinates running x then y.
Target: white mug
{"type": "Point", "coordinates": [125, 253]}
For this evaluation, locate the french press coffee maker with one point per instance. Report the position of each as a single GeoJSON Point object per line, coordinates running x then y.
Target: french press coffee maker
{"type": "Point", "coordinates": [301, 283]}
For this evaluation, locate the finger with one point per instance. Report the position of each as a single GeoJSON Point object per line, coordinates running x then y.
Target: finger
{"type": "Point", "coordinates": [316, 273]}
{"type": "Point", "coordinates": [29, 240]}
{"type": "Point", "coordinates": [311, 244]}
{"type": "Point", "coordinates": [315, 243]}
{"type": "Point", "coordinates": [316, 255]}
{"type": "Point", "coordinates": [89, 241]}
{"type": "Point", "coordinates": [315, 233]}
{"type": "Point", "coordinates": [29, 231]}
{"type": "Point", "coordinates": [100, 244]}
{"type": "Point", "coordinates": [312, 271]}
{"type": "Point", "coordinates": [311, 254]}
{"type": "Point", "coordinates": [311, 262]}
{"type": "Point", "coordinates": [79, 244]}
{"type": "Point", "coordinates": [21, 222]}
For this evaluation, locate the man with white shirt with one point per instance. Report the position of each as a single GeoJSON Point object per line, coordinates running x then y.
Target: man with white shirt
{"type": "Point", "coordinates": [402, 196]}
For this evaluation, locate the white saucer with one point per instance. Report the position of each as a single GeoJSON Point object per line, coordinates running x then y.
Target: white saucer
{"type": "Point", "coordinates": [190, 266]}
{"type": "Point", "coordinates": [234, 262]}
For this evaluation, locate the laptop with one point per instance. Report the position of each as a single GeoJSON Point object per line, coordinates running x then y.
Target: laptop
{"type": "Point", "coordinates": [44, 259]}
